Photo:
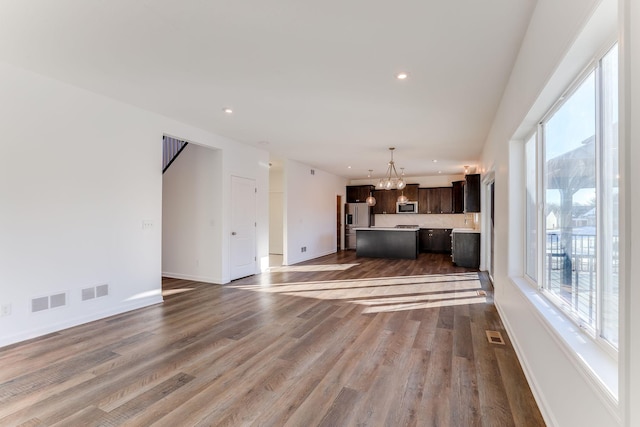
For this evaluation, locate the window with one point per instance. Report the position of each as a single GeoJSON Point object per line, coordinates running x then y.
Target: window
{"type": "Point", "coordinates": [573, 160]}
{"type": "Point", "coordinates": [531, 238]}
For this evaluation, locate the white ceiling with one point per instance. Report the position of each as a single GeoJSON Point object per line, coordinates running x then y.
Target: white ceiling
{"type": "Point", "coordinates": [312, 81]}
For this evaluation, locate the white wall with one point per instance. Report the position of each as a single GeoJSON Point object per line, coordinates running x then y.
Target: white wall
{"type": "Point", "coordinates": [79, 173]}
{"type": "Point", "coordinates": [566, 392]}
{"type": "Point", "coordinates": [310, 211]}
{"type": "Point", "coordinates": [630, 152]}
{"type": "Point", "coordinates": [276, 212]}
{"type": "Point", "coordinates": [191, 216]}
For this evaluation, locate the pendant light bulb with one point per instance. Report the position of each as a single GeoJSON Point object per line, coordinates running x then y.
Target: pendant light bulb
{"type": "Point", "coordinates": [371, 201]}
{"type": "Point", "coordinates": [401, 182]}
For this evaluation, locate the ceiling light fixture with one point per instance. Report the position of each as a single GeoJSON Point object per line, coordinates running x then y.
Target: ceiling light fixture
{"type": "Point", "coordinates": [401, 76]}
{"type": "Point", "coordinates": [371, 201]}
{"type": "Point", "coordinates": [227, 110]}
{"type": "Point", "coordinates": [466, 170]}
{"type": "Point", "coordinates": [402, 199]}
{"type": "Point", "coordinates": [392, 180]}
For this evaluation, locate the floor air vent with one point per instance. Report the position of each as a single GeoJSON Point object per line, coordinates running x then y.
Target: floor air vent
{"type": "Point", "coordinates": [495, 337]}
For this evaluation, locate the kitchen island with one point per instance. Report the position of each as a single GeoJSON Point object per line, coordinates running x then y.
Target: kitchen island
{"type": "Point", "coordinates": [387, 242]}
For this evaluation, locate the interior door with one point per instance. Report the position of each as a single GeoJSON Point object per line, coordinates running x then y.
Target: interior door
{"type": "Point", "coordinates": [243, 227]}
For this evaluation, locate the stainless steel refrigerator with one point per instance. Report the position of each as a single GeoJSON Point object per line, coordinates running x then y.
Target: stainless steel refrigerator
{"type": "Point", "coordinates": [357, 215]}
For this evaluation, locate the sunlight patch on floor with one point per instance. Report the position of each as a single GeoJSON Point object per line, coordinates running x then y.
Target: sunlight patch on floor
{"type": "Point", "coordinates": [425, 304]}
{"type": "Point", "coordinates": [167, 292]}
{"type": "Point", "coordinates": [386, 294]}
{"type": "Point", "coordinates": [311, 268]}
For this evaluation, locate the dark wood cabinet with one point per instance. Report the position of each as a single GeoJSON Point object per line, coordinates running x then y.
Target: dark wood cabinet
{"type": "Point", "coordinates": [435, 240]}
{"type": "Point", "coordinates": [423, 196]}
{"type": "Point", "coordinates": [385, 201]}
{"type": "Point", "coordinates": [358, 193]}
{"type": "Point", "coordinates": [411, 191]}
{"type": "Point", "coordinates": [457, 196]}
{"type": "Point", "coordinates": [446, 203]}
{"type": "Point", "coordinates": [466, 249]}
{"type": "Point", "coordinates": [472, 193]}
{"type": "Point", "coordinates": [435, 200]}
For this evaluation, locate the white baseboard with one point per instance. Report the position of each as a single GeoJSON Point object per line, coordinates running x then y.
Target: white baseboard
{"type": "Point", "coordinates": [205, 279]}
{"type": "Point", "coordinates": [80, 320]}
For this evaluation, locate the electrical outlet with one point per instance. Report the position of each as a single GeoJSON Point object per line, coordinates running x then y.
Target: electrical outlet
{"type": "Point", "coordinates": [5, 310]}
{"type": "Point", "coordinates": [302, 249]}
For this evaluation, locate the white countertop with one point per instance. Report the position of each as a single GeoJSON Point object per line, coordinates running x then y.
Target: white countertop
{"type": "Point", "coordinates": [465, 230]}
{"type": "Point", "coordinates": [387, 229]}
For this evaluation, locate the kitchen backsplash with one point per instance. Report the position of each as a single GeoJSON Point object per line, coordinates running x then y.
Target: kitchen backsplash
{"type": "Point", "coordinates": [429, 220]}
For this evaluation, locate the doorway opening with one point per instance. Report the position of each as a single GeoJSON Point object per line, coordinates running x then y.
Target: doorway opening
{"type": "Point", "coordinates": [276, 213]}
{"type": "Point", "coordinates": [191, 218]}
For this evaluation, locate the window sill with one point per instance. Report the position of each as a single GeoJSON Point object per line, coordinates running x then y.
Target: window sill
{"type": "Point", "coordinates": [593, 361]}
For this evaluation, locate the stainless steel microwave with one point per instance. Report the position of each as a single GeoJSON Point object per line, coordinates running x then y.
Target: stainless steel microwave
{"type": "Point", "coordinates": [409, 207]}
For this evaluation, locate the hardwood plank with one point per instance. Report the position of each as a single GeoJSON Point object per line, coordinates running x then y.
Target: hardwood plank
{"type": "Point", "coordinates": [465, 405]}
{"type": "Point", "coordinates": [436, 401]}
{"type": "Point", "coordinates": [405, 407]}
{"type": "Point", "coordinates": [341, 409]}
{"type": "Point", "coordinates": [338, 340]}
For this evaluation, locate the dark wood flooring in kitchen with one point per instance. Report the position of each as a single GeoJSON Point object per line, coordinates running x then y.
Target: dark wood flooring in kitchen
{"type": "Point", "coordinates": [337, 341]}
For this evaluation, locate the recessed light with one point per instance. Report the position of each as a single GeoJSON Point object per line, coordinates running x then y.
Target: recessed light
{"type": "Point", "coordinates": [402, 76]}
{"type": "Point", "coordinates": [439, 171]}
{"type": "Point", "coordinates": [227, 110]}
{"type": "Point", "coordinates": [348, 167]}
{"type": "Point", "coordinates": [434, 161]}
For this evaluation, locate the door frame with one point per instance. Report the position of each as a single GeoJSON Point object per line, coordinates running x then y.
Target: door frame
{"type": "Point", "coordinates": [231, 231]}
{"type": "Point", "coordinates": [488, 236]}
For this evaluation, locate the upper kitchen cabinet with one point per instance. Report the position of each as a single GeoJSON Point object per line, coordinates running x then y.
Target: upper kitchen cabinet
{"type": "Point", "coordinates": [472, 193]}
{"type": "Point", "coordinates": [458, 196]}
{"type": "Point", "coordinates": [423, 200]}
{"type": "Point", "coordinates": [385, 201]}
{"type": "Point", "coordinates": [358, 193]}
{"type": "Point", "coordinates": [435, 200]}
{"type": "Point", "coordinates": [411, 191]}
{"type": "Point", "coordinates": [445, 195]}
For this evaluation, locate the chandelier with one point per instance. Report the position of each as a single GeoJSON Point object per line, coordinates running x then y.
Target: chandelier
{"type": "Point", "coordinates": [392, 180]}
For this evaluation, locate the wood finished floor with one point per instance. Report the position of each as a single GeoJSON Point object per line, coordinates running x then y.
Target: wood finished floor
{"type": "Point", "coordinates": [337, 341]}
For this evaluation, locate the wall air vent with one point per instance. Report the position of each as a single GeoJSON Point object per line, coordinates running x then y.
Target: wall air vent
{"type": "Point", "coordinates": [102, 291]}
{"type": "Point", "coordinates": [95, 292]}
{"type": "Point", "coordinates": [51, 301]}
{"type": "Point", "coordinates": [58, 300]}
{"type": "Point", "coordinates": [88, 293]}
{"type": "Point", "coordinates": [39, 304]}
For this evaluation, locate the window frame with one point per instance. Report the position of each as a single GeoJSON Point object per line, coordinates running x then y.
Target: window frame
{"type": "Point", "coordinates": [541, 284]}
